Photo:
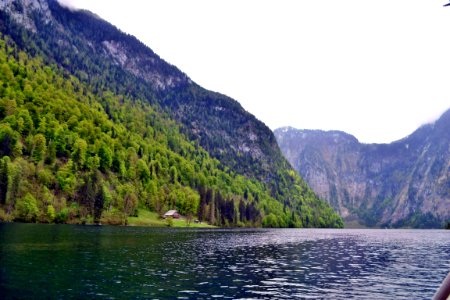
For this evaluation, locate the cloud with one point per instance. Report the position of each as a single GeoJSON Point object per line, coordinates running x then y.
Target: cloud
{"type": "Point", "coordinates": [70, 4]}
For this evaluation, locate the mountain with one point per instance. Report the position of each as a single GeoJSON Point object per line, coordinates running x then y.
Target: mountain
{"type": "Point", "coordinates": [132, 132]}
{"type": "Point", "coordinates": [404, 183]}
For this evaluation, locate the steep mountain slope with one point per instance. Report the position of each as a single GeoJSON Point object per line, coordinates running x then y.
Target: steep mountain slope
{"type": "Point", "coordinates": [109, 64]}
{"type": "Point", "coordinates": [405, 183]}
{"type": "Point", "coordinates": [67, 155]}
{"type": "Point", "coordinates": [98, 53]}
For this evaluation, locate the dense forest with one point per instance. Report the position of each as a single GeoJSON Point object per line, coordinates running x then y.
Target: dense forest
{"type": "Point", "coordinates": [133, 113]}
{"type": "Point", "coordinates": [69, 155]}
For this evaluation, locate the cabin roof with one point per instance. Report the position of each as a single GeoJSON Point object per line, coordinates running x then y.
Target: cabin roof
{"type": "Point", "coordinates": [171, 212]}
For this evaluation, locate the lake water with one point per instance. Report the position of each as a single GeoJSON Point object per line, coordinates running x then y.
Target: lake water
{"type": "Point", "coordinates": [64, 261]}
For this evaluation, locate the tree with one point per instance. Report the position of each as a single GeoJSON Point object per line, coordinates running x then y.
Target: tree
{"type": "Point", "coordinates": [26, 122]}
{"type": "Point", "coordinates": [39, 147]}
{"type": "Point", "coordinates": [4, 174]}
{"type": "Point", "coordinates": [8, 139]}
{"type": "Point", "coordinates": [51, 214]}
{"type": "Point", "coordinates": [90, 193]}
{"type": "Point", "coordinates": [173, 174]}
{"type": "Point", "coordinates": [242, 211]}
{"type": "Point", "coordinates": [130, 199]}
{"type": "Point", "coordinates": [66, 178]}
{"type": "Point", "coordinates": [67, 142]}
{"type": "Point", "coordinates": [143, 171]}
{"type": "Point", "coordinates": [201, 213]}
{"type": "Point", "coordinates": [270, 221]}
{"type": "Point", "coordinates": [51, 153]}
{"type": "Point", "coordinates": [93, 163]}
{"type": "Point", "coordinates": [212, 212]}
{"type": "Point", "coordinates": [106, 157]}
{"type": "Point", "coordinates": [26, 208]}
{"type": "Point", "coordinates": [192, 201]}
{"type": "Point", "coordinates": [79, 152]}
{"type": "Point", "coordinates": [14, 182]}
{"type": "Point", "coordinates": [98, 204]}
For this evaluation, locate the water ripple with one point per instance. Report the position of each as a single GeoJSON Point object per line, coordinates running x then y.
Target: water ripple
{"type": "Point", "coordinates": [121, 263]}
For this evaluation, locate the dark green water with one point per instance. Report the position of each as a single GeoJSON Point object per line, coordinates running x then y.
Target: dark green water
{"type": "Point", "coordinates": [82, 262]}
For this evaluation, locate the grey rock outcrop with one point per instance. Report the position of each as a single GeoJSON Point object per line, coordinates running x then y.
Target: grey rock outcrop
{"type": "Point", "coordinates": [404, 183]}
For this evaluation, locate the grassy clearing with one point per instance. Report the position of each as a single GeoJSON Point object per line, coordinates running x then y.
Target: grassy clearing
{"type": "Point", "coordinates": [148, 218]}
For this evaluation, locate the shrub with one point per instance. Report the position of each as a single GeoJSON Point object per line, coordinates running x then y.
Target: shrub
{"type": "Point", "coordinates": [113, 217]}
{"type": "Point", "coordinates": [26, 208]}
{"type": "Point", "coordinates": [51, 213]}
{"type": "Point", "coordinates": [62, 216]}
{"type": "Point", "coordinates": [169, 222]}
{"type": "Point", "coordinates": [4, 217]}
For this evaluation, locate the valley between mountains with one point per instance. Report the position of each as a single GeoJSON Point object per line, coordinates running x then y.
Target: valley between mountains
{"type": "Point", "coordinates": [402, 184]}
{"type": "Point", "coordinates": [96, 128]}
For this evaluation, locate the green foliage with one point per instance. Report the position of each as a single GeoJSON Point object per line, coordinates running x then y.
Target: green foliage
{"type": "Point", "coordinates": [39, 147]}
{"type": "Point", "coordinates": [105, 155]}
{"type": "Point", "coordinates": [4, 217]}
{"type": "Point", "coordinates": [98, 156]}
{"type": "Point", "coordinates": [420, 220]}
{"type": "Point", "coordinates": [26, 209]}
{"type": "Point", "coordinates": [143, 171]}
{"type": "Point", "coordinates": [4, 174]}
{"type": "Point", "coordinates": [271, 221]}
{"type": "Point", "coordinates": [62, 216]}
{"type": "Point", "coordinates": [79, 152]}
{"type": "Point", "coordinates": [51, 214]}
{"type": "Point", "coordinates": [113, 217]}
{"type": "Point", "coordinates": [66, 178]}
{"type": "Point", "coordinates": [169, 221]}
{"type": "Point", "coordinates": [8, 140]}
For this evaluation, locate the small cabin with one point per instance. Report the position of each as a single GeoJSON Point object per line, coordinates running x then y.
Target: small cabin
{"type": "Point", "coordinates": [172, 213]}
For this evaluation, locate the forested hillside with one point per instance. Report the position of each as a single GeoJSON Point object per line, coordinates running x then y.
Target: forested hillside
{"type": "Point", "coordinates": [94, 125]}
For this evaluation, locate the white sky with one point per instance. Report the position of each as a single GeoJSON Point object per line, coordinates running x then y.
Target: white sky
{"type": "Point", "coordinates": [375, 69]}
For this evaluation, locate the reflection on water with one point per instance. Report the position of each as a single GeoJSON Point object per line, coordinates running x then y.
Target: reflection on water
{"type": "Point", "coordinates": [63, 261]}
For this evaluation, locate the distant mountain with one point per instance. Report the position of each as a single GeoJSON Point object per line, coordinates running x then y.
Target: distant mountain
{"type": "Point", "coordinates": [405, 183]}
{"type": "Point", "coordinates": [111, 68]}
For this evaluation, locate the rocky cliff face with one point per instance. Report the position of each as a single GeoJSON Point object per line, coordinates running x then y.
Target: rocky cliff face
{"type": "Point", "coordinates": [405, 183]}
